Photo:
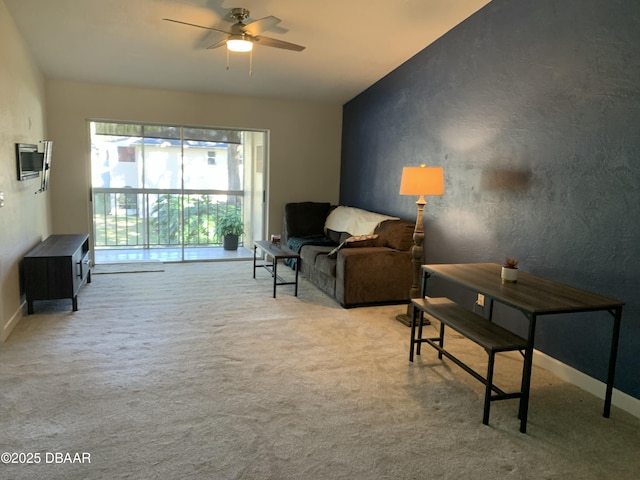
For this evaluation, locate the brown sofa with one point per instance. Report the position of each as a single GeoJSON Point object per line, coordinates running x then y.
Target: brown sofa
{"type": "Point", "coordinates": [358, 270]}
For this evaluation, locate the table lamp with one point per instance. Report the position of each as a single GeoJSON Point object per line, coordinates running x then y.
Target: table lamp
{"type": "Point", "coordinates": [419, 181]}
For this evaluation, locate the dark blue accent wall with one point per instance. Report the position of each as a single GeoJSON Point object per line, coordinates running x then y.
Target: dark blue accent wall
{"type": "Point", "coordinates": [533, 110]}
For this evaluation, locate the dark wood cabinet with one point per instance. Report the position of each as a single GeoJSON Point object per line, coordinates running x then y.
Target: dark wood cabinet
{"type": "Point", "coordinates": [57, 268]}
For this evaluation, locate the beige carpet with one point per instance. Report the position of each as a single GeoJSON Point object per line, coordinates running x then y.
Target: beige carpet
{"type": "Point", "coordinates": [134, 267]}
{"type": "Point", "coordinates": [198, 373]}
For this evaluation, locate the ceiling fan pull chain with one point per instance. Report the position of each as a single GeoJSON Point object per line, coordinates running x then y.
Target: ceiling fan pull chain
{"type": "Point", "coordinates": [251, 63]}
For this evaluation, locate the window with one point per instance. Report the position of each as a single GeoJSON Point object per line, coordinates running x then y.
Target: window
{"type": "Point", "coordinates": [157, 186]}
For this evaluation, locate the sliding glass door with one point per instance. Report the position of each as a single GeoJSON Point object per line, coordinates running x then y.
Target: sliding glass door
{"type": "Point", "coordinates": [158, 190]}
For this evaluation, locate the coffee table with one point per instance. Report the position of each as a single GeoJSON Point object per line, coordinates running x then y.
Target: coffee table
{"type": "Point", "coordinates": [276, 252]}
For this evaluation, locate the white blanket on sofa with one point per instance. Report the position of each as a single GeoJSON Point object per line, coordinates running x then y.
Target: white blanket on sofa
{"type": "Point", "coordinates": [354, 220]}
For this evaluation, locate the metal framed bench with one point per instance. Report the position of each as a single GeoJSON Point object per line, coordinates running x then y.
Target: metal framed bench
{"type": "Point", "coordinates": [493, 338]}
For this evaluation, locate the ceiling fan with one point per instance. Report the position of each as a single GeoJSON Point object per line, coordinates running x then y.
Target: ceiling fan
{"type": "Point", "coordinates": [241, 36]}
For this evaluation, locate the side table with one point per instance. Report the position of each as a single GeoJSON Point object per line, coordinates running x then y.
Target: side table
{"type": "Point", "coordinates": [57, 268]}
{"type": "Point", "coordinates": [276, 252]}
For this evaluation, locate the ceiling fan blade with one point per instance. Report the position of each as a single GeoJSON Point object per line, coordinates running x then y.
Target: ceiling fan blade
{"type": "Point", "coordinates": [274, 42]}
{"type": "Point", "coordinates": [217, 44]}
{"type": "Point", "coordinates": [259, 26]}
{"type": "Point", "coordinates": [194, 25]}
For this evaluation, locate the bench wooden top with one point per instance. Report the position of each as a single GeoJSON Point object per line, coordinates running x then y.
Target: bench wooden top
{"type": "Point", "coordinates": [476, 328]}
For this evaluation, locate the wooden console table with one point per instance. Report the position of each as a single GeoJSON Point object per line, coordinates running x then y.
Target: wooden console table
{"type": "Point", "coordinates": [57, 268]}
{"type": "Point", "coordinates": [277, 252]}
{"type": "Point", "coordinates": [533, 296]}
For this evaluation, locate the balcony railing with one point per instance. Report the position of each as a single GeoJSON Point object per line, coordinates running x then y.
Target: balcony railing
{"type": "Point", "coordinates": [156, 218]}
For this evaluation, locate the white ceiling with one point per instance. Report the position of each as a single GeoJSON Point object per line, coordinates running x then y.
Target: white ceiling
{"type": "Point", "coordinates": [350, 43]}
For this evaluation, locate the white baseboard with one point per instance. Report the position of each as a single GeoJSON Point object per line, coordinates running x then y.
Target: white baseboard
{"type": "Point", "coordinates": [619, 399]}
{"type": "Point", "coordinates": [11, 324]}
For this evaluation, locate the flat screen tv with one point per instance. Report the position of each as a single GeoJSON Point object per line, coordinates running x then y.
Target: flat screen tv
{"type": "Point", "coordinates": [29, 161]}
{"type": "Point", "coordinates": [33, 162]}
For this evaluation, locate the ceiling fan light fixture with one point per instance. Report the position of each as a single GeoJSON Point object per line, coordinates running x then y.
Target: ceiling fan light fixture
{"type": "Point", "coordinates": [238, 43]}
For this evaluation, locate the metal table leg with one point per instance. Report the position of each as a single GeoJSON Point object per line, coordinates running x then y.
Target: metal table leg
{"type": "Point", "coordinates": [613, 353]}
{"type": "Point", "coordinates": [275, 275]}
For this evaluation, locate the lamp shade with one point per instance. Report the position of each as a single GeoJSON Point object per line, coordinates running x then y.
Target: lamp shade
{"type": "Point", "coordinates": [422, 180]}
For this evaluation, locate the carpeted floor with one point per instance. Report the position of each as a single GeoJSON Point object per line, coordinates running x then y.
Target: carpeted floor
{"type": "Point", "coordinates": [196, 372]}
{"type": "Point", "coordinates": [134, 267]}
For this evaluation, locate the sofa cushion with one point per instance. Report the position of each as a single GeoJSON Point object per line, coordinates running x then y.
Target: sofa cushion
{"type": "Point", "coordinates": [355, 242]}
{"type": "Point", "coordinates": [305, 219]}
{"type": "Point", "coordinates": [396, 234]}
{"type": "Point", "coordinates": [337, 237]}
{"type": "Point", "coordinates": [309, 254]}
{"type": "Point", "coordinates": [326, 265]}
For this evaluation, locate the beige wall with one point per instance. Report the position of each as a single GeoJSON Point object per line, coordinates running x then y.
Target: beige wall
{"type": "Point", "coordinates": [304, 140]}
{"type": "Point", "coordinates": [304, 150]}
{"type": "Point", "coordinates": [23, 219]}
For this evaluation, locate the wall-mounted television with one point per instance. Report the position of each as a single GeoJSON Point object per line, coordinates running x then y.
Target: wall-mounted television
{"type": "Point", "coordinates": [34, 161]}
{"type": "Point", "coordinates": [29, 160]}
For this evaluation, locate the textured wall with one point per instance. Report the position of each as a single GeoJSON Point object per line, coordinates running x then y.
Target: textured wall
{"type": "Point", "coordinates": [24, 219]}
{"type": "Point", "coordinates": [533, 109]}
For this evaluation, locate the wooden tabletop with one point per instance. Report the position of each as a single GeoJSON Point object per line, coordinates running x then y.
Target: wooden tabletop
{"type": "Point", "coordinates": [276, 250]}
{"type": "Point", "coordinates": [530, 294]}
{"type": "Point", "coordinates": [58, 245]}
